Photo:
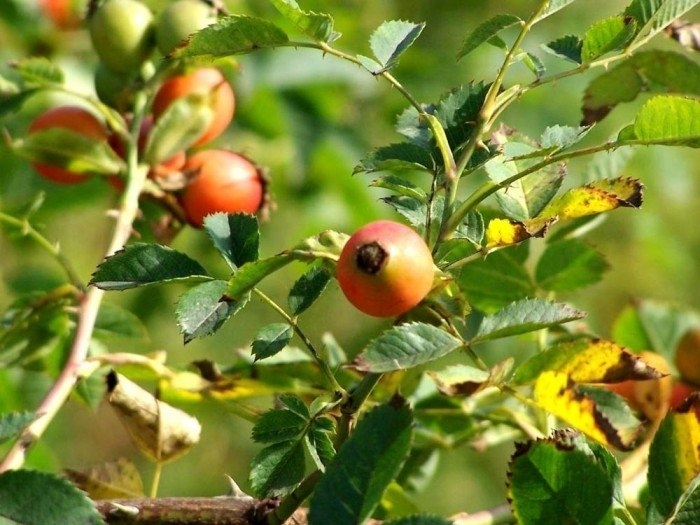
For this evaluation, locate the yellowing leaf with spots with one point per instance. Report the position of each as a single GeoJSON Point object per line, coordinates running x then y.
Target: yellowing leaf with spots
{"type": "Point", "coordinates": [596, 197]}
{"type": "Point", "coordinates": [674, 455]}
{"type": "Point", "coordinates": [556, 393]}
{"type": "Point", "coordinates": [587, 360]}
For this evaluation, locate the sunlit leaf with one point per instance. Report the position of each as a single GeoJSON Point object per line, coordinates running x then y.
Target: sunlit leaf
{"type": "Point", "coordinates": [233, 35]}
{"type": "Point", "coordinates": [607, 35]}
{"type": "Point", "coordinates": [527, 196]}
{"type": "Point", "coordinates": [556, 393]}
{"type": "Point", "coordinates": [674, 456]}
{"type": "Point", "coordinates": [485, 31]}
{"type": "Point", "coordinates": [318, 26]}
{"type": "Point", "coordinates": [653, 16]}
{"type": "Point", "coordinates": [250, 274]}
{"type": "Point", "coordinates": [524, 316]}
{"type": "Point", "coordinates": [143, 264]}
{"type": "Point", "coordinates": [278, 426]}
{"type": "Point", "coordinates": [364, 466]}
{"type": "Point", "coordinates": [405, 346]}
{"type": "Point", "coordinates": [53, 500]}
{"type": "Point", "coordinates": [587, 360]}
{"type": "Point", "coordinates": [546, 485]}
{"type": "Point", "coordinates": [669, 119]}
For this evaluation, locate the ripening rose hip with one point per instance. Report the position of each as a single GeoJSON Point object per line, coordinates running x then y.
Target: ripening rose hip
{"type": "Point", "coordinates": [205, 81]}
{"type": "Point", "coordinates": [72, 118]}
{"type": "Point", "coordinates": [687, 356]}
{"type": "Point", "coordinates": [223, 181]}
{"type": "Point", "coordinates": [385, 269]}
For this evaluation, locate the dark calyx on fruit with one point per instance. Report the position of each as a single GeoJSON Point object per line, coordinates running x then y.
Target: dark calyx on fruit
{"type": "Point", "coordinates": [371, 257]}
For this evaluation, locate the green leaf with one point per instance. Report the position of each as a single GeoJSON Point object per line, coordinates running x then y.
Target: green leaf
{"type": "Point", "coordinates": [406, 346]}
{"type": "Point", "coordinates": [552, 7]}
{"type": "Point", "coordinates": [568, 265]}
{"type": "Point", "coordinates": [318, 26]}
{"type": "Point", "coordinates": [526, 197]}
{"type": "Point", "coordinates": [70, 150]}
{"type": "Point", "coordinates": [236, 236]}
{"type": "Point", "coordinates": [116, 323]}
{"type": "Point", "coordinates": [669, 119]}
{"type": "Point", "coordinates": [471, 228]}
{"type": "Point", "coordinates": [277, 426]}
{"type": "Point", "coordinates": [307, 289]}
{"type": "Point", "coordinates": [201, 310]}
{"type": "Point", "coordinates": [232, 35]}
{"type": "Point", "coordinates": [271, 339]}
{"type": "Point", "coordinates": [143, 264]}
{"type": "Point", "coordinates": [403, 156]}
{"type": "Point", "coordinates": [389, 41]}
{"type": "Point", "coordinates": [363, 467]}
{"type": "Point", "coordinates": [13, 423]}
{"type": "Point", "coordinates": [653, 16]}
{"type": "Point", "coordinates": [607, 35]}
{"type": "Point", "coordinates": [687, 511]}
{"type": "Point", "coordinates": [182, 123]}
{"type": "Point", "coordinates": [552, 482]}
{"type": "Point", "coordinates": [649, 71]}
{"type": "Point", "coordinates": [485, 31]}
{"type": "Point", "coordinates": [38, 71]}
{"type": "Point", "coordinates": [673, 459]}
{"type": "Point", "coordinates": [557, 138]}
{"type": "Point", "coordinates": [401, 187]}
{"type": "Point", "coordinates": [414, 128]}
{"type": "Point", "coordinates": [567, 47]}
{"type": "Point", "coordinates": [410, 208]}
{"type": "Point", "coordinates": [320, 442]}
{"type": "Point", "coordinates": [497, 280]}
{"type": "Point", "coordinates": [525, 316]}
{"type": "Point", "coordinates": [277, 469]}
{"type": "Point", "coordinates": [250, 274]}
{"type": "Point", "coordinates": [11, 102]}
{"type": "Point", "coordinates": [38, 498]}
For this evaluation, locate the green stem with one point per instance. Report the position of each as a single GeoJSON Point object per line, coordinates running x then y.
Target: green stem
{"type": "Point", "coordinates": [356, 398]}
{"type": "Point", "coordinates": [294, 500]}
{"type": "Point", "coordinates": [325, 369]}
{"type": "Point", "coordinates": [155, 482]}
{"type": "Point", "coordinates": [27, 230]}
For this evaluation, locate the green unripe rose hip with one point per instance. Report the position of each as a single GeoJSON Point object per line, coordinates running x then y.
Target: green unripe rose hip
{"type": "Point", "coordinates": [179, 20]}
{"type": "Point", "coordinates": [122, 34]}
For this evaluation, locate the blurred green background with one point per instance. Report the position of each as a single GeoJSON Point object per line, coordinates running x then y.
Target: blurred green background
{"type": "Point", "coordinates": [310, 119]}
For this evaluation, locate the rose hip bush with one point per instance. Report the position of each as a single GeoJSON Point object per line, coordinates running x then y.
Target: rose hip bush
{"type": "Point", "coordinates": [481, 241]}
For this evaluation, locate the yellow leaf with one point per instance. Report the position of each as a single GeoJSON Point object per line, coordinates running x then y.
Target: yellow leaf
{"type": "Point", "coordinates": [687, 428]}
{"type": "Point", "coordinates": [596, 197]}
{"type": "Point", "coordinates": [556, 393]}
{"type": "Point", "coordinates": [503, 232]}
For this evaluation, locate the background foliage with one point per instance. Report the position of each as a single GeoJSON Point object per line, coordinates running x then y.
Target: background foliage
{"type": "Point", "coordinates": [310, 119]}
